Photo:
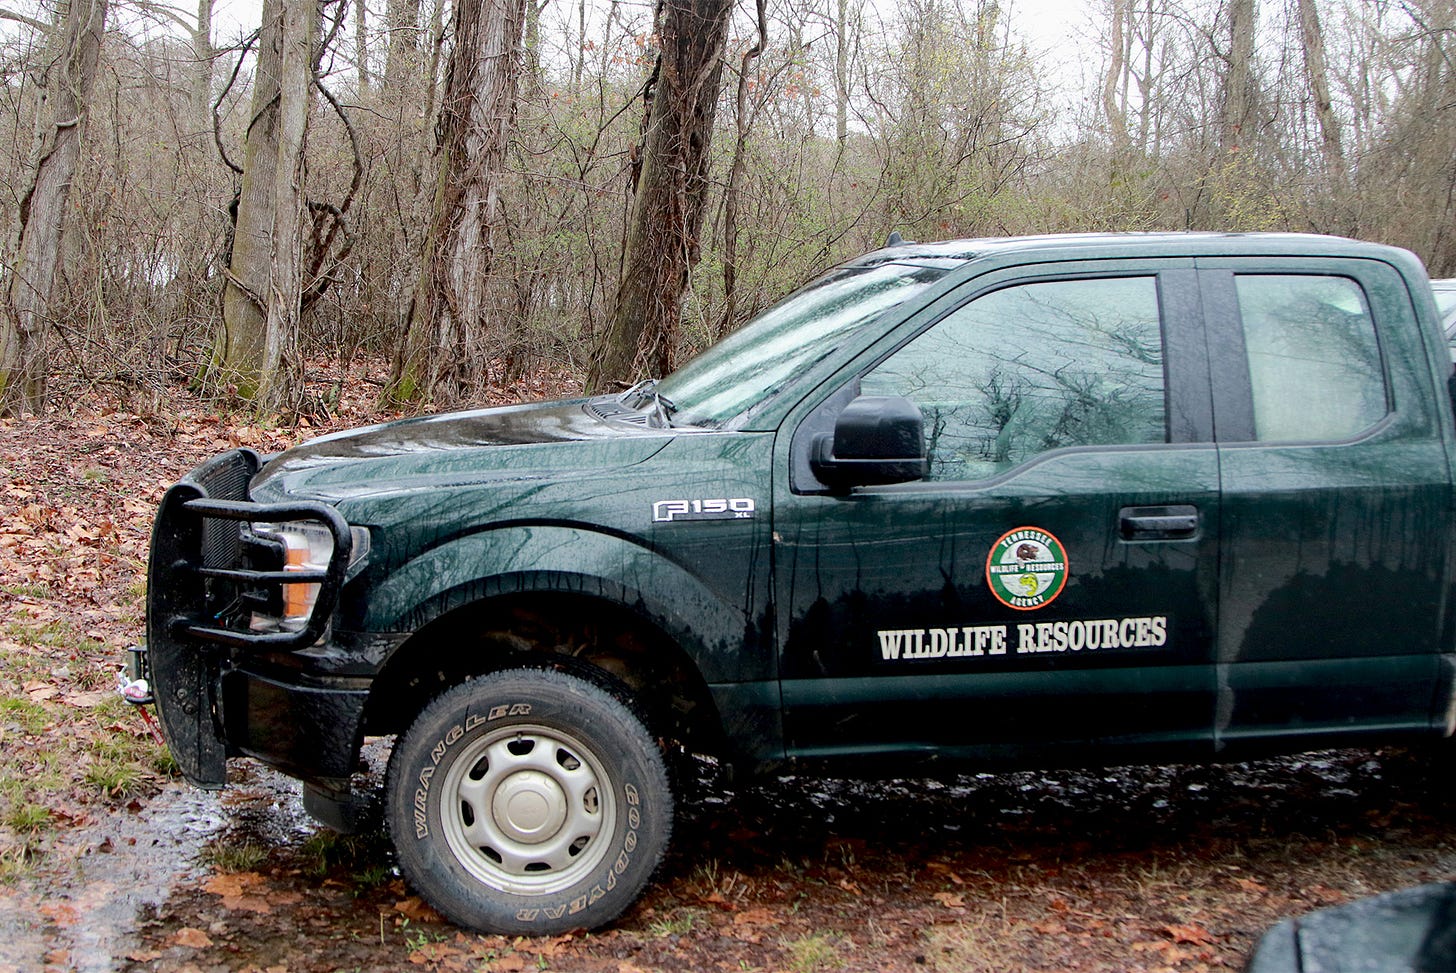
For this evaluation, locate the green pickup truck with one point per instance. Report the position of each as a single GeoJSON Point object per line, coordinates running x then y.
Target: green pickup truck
{"type": "Point", "coordinates": [986, 503]}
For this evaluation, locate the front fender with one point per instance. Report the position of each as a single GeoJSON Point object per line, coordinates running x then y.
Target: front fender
{"type": "Point", "coordinates": [723, 639]}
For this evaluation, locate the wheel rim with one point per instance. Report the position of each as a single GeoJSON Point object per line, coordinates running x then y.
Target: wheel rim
{"type": "Point", "coordinates": [528, 809]}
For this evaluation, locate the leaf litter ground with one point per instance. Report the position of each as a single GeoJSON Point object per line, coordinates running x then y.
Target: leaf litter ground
{"type": "Point", "coordinates": [107, 862]}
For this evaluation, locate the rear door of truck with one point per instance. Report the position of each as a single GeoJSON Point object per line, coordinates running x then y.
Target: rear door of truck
{"type": "Point", "coordinates": [1336, 501]}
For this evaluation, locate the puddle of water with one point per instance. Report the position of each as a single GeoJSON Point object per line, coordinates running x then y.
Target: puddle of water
{"type": "Point", "coordinates": [79, 910]}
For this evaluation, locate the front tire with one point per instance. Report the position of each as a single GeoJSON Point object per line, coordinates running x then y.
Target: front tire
{"type": "Point", "coordinates": [528, 802]}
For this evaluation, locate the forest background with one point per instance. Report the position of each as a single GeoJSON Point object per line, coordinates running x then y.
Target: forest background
{"type": "Point", "coordinates": [443, 196]}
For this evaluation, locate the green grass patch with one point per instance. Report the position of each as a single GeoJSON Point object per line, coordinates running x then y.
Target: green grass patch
{"type": "Point", "coordinates": [679, 923]}
{"type": "Point", "coordinates": [27, 818]}
{"type": "Point", "coordinates": [228, 855]}
{"type": "Point", "coordinates": [56, 752]}
{"type": "Point", "coordinates": [16, 858]}
{"type": "Point", "coordinates": [810, 953]}
{"type": "Point", "coordinates": [363, 858]}
{"type": "Point", "coordinates": [31, 780]}
{"type": "Point", "coordinates": [28, 716]}
{"type": "Point", "coordinates": [27, 590]}
{"type": "Point", "coordinates": [29, 788]}
{"type": "Point", "coordinates": [119, 762]}
{"type": "Point", "coordinates": [55, 633]}
{"type": "Point", "coordinates": [325, 851]}
{"type": "Point", "coordinates": [52, 752]}
{"type": "Point", "coordinates": [22, 665]}
{"type": "Point", "coordinates": [164, 763]}
{"type": "Point", "coordinates": [371, 877]}
{"type": "Point", "coordinates": [114, 777]}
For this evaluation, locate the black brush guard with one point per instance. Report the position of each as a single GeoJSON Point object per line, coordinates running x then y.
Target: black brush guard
{"type": "Point", "coordinates": [198, 589]}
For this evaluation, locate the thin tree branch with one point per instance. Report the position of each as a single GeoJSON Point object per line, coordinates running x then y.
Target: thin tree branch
{"type": "Point", "coordinates": [248, 42]}
{"type": "Point", "coordinates": [20, 18]}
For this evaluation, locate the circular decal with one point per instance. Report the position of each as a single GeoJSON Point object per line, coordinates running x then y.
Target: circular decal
{"type": "Point", "coordinates": [1027, 568]}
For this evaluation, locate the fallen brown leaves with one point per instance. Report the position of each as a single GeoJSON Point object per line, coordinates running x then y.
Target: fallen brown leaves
{"type": "Point", "coordinates": [467, 954]}
{"type": "Point", "coordinates": [1190, 933]}
{"type": "Point", "coordinates": [249, 892]}
{"type": "Point", "coordinates": [78, 490]}
{"type": "Point", "coordinates": [417, 909]}
{"type": "Point", "coordinates": [192, 938]}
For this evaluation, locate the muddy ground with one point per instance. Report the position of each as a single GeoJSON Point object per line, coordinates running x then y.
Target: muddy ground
{"type": "Point", "coordinates": [107, 862]}
{"type": "Point", "coordinates": [1135, 869]}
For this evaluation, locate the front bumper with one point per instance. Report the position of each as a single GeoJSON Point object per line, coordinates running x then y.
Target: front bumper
{"type": "Point", "coordinates": [207, 667]}
{"type": "Point", "coordinates": [309, 731]}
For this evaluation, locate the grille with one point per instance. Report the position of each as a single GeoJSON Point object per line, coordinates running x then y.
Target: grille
{"type": "Point", "coordinates": [225, 478]}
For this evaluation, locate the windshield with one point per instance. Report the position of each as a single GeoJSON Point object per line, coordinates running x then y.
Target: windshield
{"type": "Point", "coordinates": [781, 343]}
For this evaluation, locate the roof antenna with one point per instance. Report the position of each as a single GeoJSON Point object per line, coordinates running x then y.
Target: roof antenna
{"type": "Point", "coordinates": [895, 239]}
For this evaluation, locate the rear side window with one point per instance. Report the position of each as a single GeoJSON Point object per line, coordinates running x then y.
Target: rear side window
{"type": "Point", "coordinates": [1032, 368]}
{"type": "Point", "coordinates": [1314, 363]}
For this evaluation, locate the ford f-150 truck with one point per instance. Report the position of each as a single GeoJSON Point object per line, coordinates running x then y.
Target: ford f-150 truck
{"type": "Point", "coordinates": [1057, 500]}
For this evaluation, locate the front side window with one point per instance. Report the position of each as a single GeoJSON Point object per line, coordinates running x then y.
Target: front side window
{"type": "Point", "coordinates": [1314, 364]}
{"type": "Point", "coordinates": [1031, 368]}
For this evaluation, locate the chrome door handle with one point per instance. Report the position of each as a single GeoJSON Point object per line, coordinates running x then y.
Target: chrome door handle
{"type": "Point", "coordinates": [1161, 523]}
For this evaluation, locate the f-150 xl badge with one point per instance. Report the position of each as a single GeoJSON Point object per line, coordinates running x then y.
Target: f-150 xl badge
{"type": "Point", "coordinates": [737, 508]}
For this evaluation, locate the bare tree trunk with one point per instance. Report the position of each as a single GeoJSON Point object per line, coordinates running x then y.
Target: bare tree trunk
{"type": "Point", "coordinates": [1238, 81]}
{"type": "Point", "coordinates": [446, 350]}
{"type": "Point", "coordinates": [285, 276]}
{"type": "Point", "coordinates": [361, 48]}
{"type": "Point", "coordinates": [1149, 130]}
{"type": "Point", "coordinates": [531, 61]}
{"type": "Point", "coordinates": [1113, 80]}
{"type": "Point", "coordinates": [202, 57]}
{"type": "Point", "coordinates": [72, 52]}
{"type": "Point", "coordinates": [578, 63]}
{"type": "Point", "coordinates": [841, 72]}
{"type": "Point", "coordinates": [402, 20]}
{"type": "Point", "coordinates": [735, 177]}
{"type": "Point", "coordinates": [1313, 40]}
{"type": "Point", "coordinates": [262, 293]}
{"type": "Point", "coordinates": [438, 31]}
{"type": "Point", "coordinates": [667, 212]}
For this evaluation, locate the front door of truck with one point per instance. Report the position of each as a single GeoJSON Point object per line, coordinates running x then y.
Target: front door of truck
{"type": "Point", "coordinates": [1336, 502]}
{"type": "Point", "coordinates": [1051, 583]}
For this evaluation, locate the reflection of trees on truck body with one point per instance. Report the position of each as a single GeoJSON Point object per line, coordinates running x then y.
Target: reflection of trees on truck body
{"type": "Point", "coordinates": [1314, 363]}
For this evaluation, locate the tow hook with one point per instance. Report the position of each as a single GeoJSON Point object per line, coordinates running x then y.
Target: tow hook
{"type": "Point", "coordinates": [133, 687]}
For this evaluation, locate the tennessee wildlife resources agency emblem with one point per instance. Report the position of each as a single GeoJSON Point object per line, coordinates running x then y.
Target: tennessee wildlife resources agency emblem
{"type": "Point", "coordinates": [1026, 569]}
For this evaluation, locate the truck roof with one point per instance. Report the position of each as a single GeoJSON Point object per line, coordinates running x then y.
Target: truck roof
{"type": "Point", "coordinates": [1135, 244]}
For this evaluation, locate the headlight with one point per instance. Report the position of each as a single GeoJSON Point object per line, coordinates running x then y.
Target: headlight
{"type": "Point", "coordinates": [307, 546]}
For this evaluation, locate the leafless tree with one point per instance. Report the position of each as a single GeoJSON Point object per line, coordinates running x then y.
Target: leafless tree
{"type": "Point", "coordinates": [847, 120]}
{"type": "Point", "coordinates": [670, 186]}
{"type": "Point", "coordinates": [66, 79]}
{"type": "Point", "coordinates": [257, 346]}
{"type": "Point", "coordinates": [446, 352]}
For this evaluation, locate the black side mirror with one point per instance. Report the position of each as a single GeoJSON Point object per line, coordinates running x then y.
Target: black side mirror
{"type": "Point", "coordinates": [876, 439]}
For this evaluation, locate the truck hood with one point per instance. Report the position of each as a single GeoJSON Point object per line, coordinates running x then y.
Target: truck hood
{"type": "Point", "coordinates": [512, 442]}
